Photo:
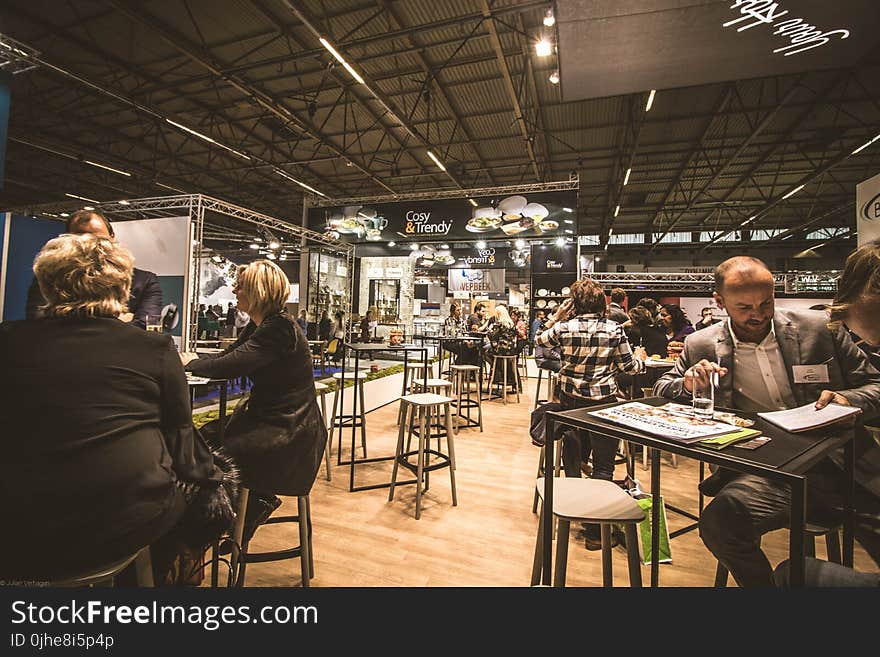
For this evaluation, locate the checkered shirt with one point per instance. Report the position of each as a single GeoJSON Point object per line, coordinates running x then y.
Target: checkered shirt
{"type": "Point", "coordinates": [594, 350]}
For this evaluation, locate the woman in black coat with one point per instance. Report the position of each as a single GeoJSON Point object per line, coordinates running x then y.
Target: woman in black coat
{"type": "Point", "coordinates": [276, 436]}
{"type": "Point", "coordinates": [99, 456]}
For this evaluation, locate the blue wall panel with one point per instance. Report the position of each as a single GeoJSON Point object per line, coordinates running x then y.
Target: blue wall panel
{"type": "Point", "coordinates": [27, 235]}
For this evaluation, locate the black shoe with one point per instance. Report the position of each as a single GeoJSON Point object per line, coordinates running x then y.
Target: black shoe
{"type": "Point", "coordinates": [593, 537]}
{"type": "Point", "coordinates": [712, 485]}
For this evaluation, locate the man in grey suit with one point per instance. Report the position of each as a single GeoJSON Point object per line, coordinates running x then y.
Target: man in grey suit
{"type": "Point", "coordinates": [615, 308]}
{"type": "Point", "coordinates": [756, 354]}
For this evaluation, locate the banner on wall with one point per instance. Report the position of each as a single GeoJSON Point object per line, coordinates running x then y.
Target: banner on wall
{"type": "Point", "coordinates": [476, 280]}
{"type": "Point", "coordinates": [532, 215]}
{"type": "Point", "coordinates": [487, 258]}
{"type": "Point", "coordinates": [161, 246]}
{"type": "Point", "coordinates": [868, 210]}
{"type": "Point", "coordinates": [550, 259]}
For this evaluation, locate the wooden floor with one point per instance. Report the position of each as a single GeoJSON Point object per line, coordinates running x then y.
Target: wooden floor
{"type": "Point", "coordinates": [361, 539]}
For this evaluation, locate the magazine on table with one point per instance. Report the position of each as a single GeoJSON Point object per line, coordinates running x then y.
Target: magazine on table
{"type": "Point", "coordinates": [667, 421]}
{"type": "Point", "coordinates": [808, 417]}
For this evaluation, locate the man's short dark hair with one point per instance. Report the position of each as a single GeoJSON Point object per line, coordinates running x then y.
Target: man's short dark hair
{"type": "Point", "coordinates": [479, 307]}
{"type": "Point", "coordinates": [81, 217]}
{"type": "Point", "coordinates": [703, 311]}
{"type": "Point", "coordinates": [737, 262]}
{"type": "Point", "coordinates": [618, 295]}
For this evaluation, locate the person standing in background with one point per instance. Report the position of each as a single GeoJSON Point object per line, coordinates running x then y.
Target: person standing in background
{"type": "Point", "coordinates": [706, 320]}
{"type": "Point", "coordinates": [303, 321]}
{"type": "Point", "coordinates": [616, 312]}
{"type": "Point", "coordinates": [229, 328]}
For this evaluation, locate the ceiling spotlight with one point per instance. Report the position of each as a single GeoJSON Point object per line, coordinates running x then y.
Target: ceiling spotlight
{"type": "Point", "coordinates": [626, 177]}
{"type": "Point", "coordinates": [520, 244]}
{"type": "Point", "coordinates": [473, 202]}
{"type": "Point", "coordinates": [88, 207]}
{"type": "Point", "coordinates": [567, 210]}
{"type": "Point", "coordinates": [413, 247]}
{"type": "Point", "coordinates": [543, 48]}
{"type": "Point", "coordinates": [617, 211]}
{"type": "Point", "coordinates": [64, 214]}
{"type": "Point", "coordinates": [392, 243]}
{"type": "Point", "coordinates": [650, 102]}
{"type": "Point", "coordinates": [549, 18]}
{"type": "Point", "coordinates": [217, 258]}
{"type": "Point", "coordinates": [481, 244]}
{"type": "Point", "coordinates": [254, 246]}
{"type": "Point", "coordinates": [124, 202]}
{"type": "Point", "coordinates": [444, 246]}
{"type": "Point", "coordinates": [258, 239]}
{"type": "Point", "coordinates": [568, 221]}
{"type": "Point", "coordinates": [274, 244]}
{"type": "Point", "coordinates": [560, 241]}
{"type": "Point", "coordinates": [271, 256]}
{"type": "Point", "coordinates": [554, 77]}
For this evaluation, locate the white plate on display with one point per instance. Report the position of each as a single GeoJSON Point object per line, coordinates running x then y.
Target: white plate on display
{"type": "Point", "coordinates": [482, 224]}
{"type": "Point", "coordinates": [349, 226]}
{"type": "Point", "coordinates": [513, 205]}
{"type": "Point", "coordinates": [540, 303]}
{"type": "Point", "coordinates": [536, 211]}
{"type": "Point", "coordinates": [543, 292]}
{"type": "Point", "coordinates": [552, 304]}
{"type": "Point", "coordinates": [549, 224]}
{"type": "Point", "coordinates": [565, 291]}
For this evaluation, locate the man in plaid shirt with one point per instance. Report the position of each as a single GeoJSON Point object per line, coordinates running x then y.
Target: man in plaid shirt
{"type": "Point", "coordinates": [594, 350]}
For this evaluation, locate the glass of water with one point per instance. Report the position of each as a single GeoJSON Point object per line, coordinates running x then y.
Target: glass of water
{"type": "Point", "coordinates": [704, 392]}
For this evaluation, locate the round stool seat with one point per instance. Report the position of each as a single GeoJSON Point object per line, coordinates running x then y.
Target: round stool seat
{"type": "Point", "coordinates": [434, 383]}
{"type": "Point", "coordinates": [415, 366]}
{"type": "Point", "coordinates": [593, 500]}
{"type": "Point", "coordinates": [426, 399]}
{"type": "Point", "coordinates": [349, 375]}
{"type": "Point", "coordinates": [465, 368]}
{"type": "Point", "coordinates": [321, 388]}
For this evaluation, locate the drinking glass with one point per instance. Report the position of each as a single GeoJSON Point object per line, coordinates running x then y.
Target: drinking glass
{"type": "Point", "coordinates": [154, 323]}
{"type": "Point", "coordinates": [704, 392]}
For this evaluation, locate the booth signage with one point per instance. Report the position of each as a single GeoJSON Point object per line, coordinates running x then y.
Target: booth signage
{"type": "Point", "coordinates": [488, 258]}
{"type": "Point", "coordinates": [524, 216]}
{"type": "Point", "coordinates": [476, 280]}
{"type": "Point", "coordinates": [394, 272]}
{"type": "Point", "coordinates": [868, 210]}
{"type": "Point", "coordinates": [551, 259]}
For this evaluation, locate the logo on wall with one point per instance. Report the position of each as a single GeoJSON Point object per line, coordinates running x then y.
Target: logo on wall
{"type": "Point", "coordinates": [484, 257]}
{"type": "Point", "coordinates": [871, 209]}
{"type": "Point", "coordinates": [419, 223]}
{"type": "Point", "coordinates": [555, 264]}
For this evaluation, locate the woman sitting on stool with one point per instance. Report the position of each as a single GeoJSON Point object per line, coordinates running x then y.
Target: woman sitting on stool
{"type": "Point", "coordinates": [99, 455]}
{"type": "Point", "coordinates": [277, 435]}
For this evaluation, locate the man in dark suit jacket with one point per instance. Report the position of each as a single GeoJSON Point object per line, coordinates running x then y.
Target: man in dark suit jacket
{"type": "Point", "coordinates": [615, 308]}
{"type": "Point", "coordinates": [756, 354]}
{"type": "Point", "coordinates": [146, 294]}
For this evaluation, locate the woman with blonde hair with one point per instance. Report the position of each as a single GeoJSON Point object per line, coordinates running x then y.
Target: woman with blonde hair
{"type": "Point", "coordinates": [276, 435]}
{"type": "Point", "coordinates": [100, 457]}
{"type": "Point", "coordinates": [501, 340]}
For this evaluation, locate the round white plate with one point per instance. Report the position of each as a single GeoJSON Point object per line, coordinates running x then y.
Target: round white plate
{"type": "Point", "coordinates": [540, 303]}
{"type": "Point", "coordinates": [565, 291]}
{"type": "Point", "coordinates": [513, 204]}
{"type": "Point", "coordinates": [543, 292]}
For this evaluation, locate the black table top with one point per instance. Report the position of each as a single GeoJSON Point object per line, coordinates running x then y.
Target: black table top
{"type": "Point", "coordinates": [381, 346]}
{"type": "Point", "coordinates": [791, 453]}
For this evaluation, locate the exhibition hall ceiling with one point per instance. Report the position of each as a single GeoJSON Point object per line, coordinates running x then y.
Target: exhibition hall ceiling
{"type": "Point", "coordinates": [242, 100]}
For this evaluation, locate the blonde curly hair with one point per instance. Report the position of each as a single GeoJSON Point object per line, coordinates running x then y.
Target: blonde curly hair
{"type": "Point", "coordinates": [84, 276]}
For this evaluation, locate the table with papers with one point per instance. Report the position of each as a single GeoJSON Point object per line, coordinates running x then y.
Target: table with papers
{"type": "Point", "coordinates": [785, 459]}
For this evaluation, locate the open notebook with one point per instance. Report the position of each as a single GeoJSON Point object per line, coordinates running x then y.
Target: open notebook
{"type": "Point", "coordinates": [807, 417]}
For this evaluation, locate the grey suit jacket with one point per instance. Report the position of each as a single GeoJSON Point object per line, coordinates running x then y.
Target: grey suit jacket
{"type": "Point", "coordinates": [805, 338]}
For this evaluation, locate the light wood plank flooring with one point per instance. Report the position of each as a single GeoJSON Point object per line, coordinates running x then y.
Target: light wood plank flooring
{"type": "Point", "coordinates": [361, 539]}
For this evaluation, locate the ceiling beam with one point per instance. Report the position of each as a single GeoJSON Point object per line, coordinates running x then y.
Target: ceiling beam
{"type": "Point", "coordinates": [511, 91]}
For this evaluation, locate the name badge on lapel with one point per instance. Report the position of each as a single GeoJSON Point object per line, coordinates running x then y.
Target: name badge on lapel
{"type": "Point", "coordinates": [810, 373]}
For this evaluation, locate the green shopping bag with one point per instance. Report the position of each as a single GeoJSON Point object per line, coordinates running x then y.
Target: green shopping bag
{"type": "Point", "coordinates": [664, 551]}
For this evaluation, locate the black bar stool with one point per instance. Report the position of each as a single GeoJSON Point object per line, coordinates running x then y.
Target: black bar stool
{"type": "Point", "coordinates": [341, 420]}
{"type": "Point", "coordinates": [463, 399]}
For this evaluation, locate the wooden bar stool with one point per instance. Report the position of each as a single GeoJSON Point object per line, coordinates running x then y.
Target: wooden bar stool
{"type": "Point", "coordinates": [550, 386]}
{"type": "Point", "coordinates": [419, 406]}
{"type": "Point", "coordinates": [321, 390]}
{"type": "Point", "coordinates": [242, 557]}
{"type": "Point", "coordinates": [505, 360]}
{"type": "Point", "coordinates": [342, 419]}
{"type": "Point", "coordinates": [462, 376]}
{"type": "Point", "coordinates": [413, 372]}
{"type": "Point", "coordinates": [595, 501]}
{"type": "Point", "coordinates": [436, 425]}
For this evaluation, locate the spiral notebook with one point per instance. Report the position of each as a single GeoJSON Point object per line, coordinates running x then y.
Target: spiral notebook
{"type": "Point", "coordinates": [807, 417]}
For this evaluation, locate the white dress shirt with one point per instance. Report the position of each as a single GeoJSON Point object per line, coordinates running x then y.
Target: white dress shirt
{"type": "Point", "coordinates": [760, 380]}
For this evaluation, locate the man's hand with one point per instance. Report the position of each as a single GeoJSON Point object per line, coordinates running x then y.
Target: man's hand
{"type": "Point", "coordinates": [564, 312]}
{"type": "Point", "coordinates": [186, 357]}
{"type": "Point", "coordinates": [829, 397]}
{"type": "Point", "coordinates": [640, 353]}
{"type": "Point", "coordinates": [702, 372]}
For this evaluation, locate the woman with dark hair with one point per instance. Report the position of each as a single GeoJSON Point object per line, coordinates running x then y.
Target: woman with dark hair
{"type": "Point", "coordinates": [643, 332]}
{"type": "Point", "coordinates": [594, 351]}
{"type": "Point", "coordinates": [857, 303]}
{"type": "Point", "coordinates": [100, 457]}
{"type": "Point", "coordinates": [673, 319]}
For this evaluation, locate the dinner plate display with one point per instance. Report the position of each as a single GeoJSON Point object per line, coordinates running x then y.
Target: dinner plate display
{"type": "Point", "coordinates": [552, 304]}
{"type": "Point", "coordinates": [481, 229]}
{"type": "Point", "coordinates": [543, 292]}
{"type": "Point", "coordinates": [541, 303]}
{"type": "Point", "coordinates": [565, 291]}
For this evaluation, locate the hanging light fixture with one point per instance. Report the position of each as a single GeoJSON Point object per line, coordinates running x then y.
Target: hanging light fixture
{"type": "Point", "coordinates": [549, 18]}
{"type": "Point", "coordinates": [543, 48]}
{"type": "Point", "coordinates": [554, 77]}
